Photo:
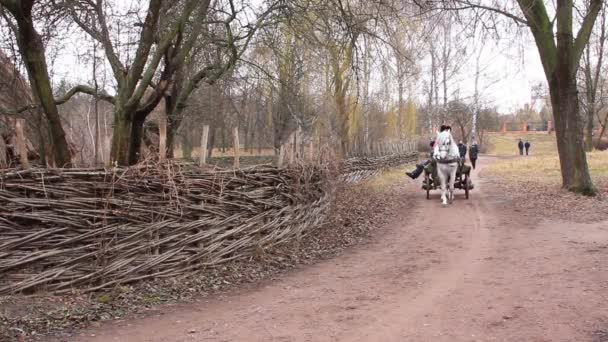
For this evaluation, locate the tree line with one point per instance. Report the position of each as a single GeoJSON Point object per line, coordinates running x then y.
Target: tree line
{"type": "Point", "coordinates": [346, 72]}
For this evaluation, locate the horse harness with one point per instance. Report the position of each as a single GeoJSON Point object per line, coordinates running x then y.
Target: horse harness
{"type": "Point", "coordinates": [446, 161]}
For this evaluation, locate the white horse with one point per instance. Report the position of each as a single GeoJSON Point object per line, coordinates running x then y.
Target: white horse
{"type": "Point", "coordinates": [447, 156]}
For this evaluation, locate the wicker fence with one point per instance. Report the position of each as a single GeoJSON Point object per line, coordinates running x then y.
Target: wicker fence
{"type": "Point", "coordinates": [90, 229]}
{"type": "Point", "coordinates": [358, 168]}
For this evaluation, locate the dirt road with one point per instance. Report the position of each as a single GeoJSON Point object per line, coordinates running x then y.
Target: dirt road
{"type": "Point", "coordinates": [476, 271]}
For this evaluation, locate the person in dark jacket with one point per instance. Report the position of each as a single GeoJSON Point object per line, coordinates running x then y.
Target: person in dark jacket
{"type": "Point", "coordinates": [527, 146]}
{"type": "Point", "coordinates": [520, 145]}
{"type": "Point", "coordinates": [420, 167]}
{"type": "Point", "coordinates": [473, 153]}
{"type": "Point", "coordinates": [462, 149]}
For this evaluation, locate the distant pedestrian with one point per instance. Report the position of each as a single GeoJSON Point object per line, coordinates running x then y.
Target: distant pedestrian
{"type": "Point", "coordinates": [473, 152]}
{"type": "Point", "coordinates": [520, 145]}
{"type": "Point", "coordinates": [462, 149]}
{"type": "Point", "coordinates": [527, 146]}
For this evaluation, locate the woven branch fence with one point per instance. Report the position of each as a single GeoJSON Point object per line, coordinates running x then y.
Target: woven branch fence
{"type": "Point", "coordinates": [92, 229]}
{"type": "Point", "coordinates": [359, 168]}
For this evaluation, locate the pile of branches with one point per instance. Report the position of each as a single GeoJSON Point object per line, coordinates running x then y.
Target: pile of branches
{"type": "Point", "coordinates": [91, 229]}
{"type": "Point", "coordinates": [356, 169]}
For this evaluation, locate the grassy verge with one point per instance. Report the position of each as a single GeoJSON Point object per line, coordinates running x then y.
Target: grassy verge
{"type": "Point", "coordinates": [534, 183]}
{"type": "Point", "coordinates": [387, 179]}
{"type": "Point", "coordinates": [499, 144]}
{"type": "Point", "coordinates": [546, 169]}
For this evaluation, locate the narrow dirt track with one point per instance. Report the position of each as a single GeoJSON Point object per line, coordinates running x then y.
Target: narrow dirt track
{"type": "Point", "coordinates": [476, 271]}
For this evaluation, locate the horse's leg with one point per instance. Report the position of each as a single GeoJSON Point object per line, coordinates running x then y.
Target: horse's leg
{"type": "Point", "coordinates": [453, 171]}
{"type": "Point", "coordinates": [442, 178]}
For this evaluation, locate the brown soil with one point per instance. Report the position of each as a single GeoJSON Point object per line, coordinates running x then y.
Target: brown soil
{"type": "Point", "coordinates": [479, 270]}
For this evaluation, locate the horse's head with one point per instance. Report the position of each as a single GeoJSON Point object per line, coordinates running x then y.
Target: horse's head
{"type": "Point", "coordinates": [446, 145]}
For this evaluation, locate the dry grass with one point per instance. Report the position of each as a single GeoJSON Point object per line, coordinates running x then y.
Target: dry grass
{"type": "Point", "coordinates": [534, 184]}
{"type": "Point", "coordinates": [229, 152]}
{"type": "Point", "coordinates": [506, 144]}
{"type": "Point", "coordinates": [545, 169]}
{"type": "Point", "coordinates": [387, 179]}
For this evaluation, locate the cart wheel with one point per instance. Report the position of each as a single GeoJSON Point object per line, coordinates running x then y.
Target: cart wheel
{"type": "Point", "coordinates": [466, 186]}
{"type": "Point", "coordinates": [427, 182]}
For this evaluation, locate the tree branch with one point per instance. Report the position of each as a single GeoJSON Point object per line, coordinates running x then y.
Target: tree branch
{"type": "Point", "coordinates": [467, 4]}
{"type": "Point", "coordinates": [542, 30]}
{"type": "Point", "coordinates": [63, 99]}
{"type": "Point", "coordinates": [85, 90]}
{"type": "Point", "coordinates": [161, 48]}
{"type": "Point", "coordinates": [11, 5]}
{"type": "Point", "coordinates": [582, 37]}
{"type": "Point", "coordinates": [102, 35]}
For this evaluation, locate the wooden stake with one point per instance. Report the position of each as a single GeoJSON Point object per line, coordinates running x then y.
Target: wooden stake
{"type": "Point", "coordinates": [19, 124]}
{"type": "Point", "coordinates": [162, 146]}
{"type": "Point", "coordinates": [292, 155]}
{"type": "Point", "coordinates": [107, 145]}
{"type": "Point", "coordinates": [311, 154]}
{"type": "Point", "coordinates": [281, 156]}
{"type": "Point", "coordinates": [204, 141]}
{"type": "Point", "coordinates": [3, 161]}
{"type": "Point", "coordinates": [299, 148]}
{"type": "Point", "coordinates": [237, 163]}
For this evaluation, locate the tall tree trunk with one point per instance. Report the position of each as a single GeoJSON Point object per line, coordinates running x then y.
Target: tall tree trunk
{"type": "Point", "coordinates": [591, 105]}
{"type": "Point", "coordinates": [463, 133]}
{"type": "Point", "coordinates": [186, 145]}
{"type": "Point", "coordinates": [602, 131]}
{"type": "Point", "coordinates": [560, 60]}
{"type": "Point", "coordinates": [589, 129]}
{"type": "Point", "coordinates": [563, 88]}
{"type": "Point", "coordinates": [211, 144]}
{"type": "Point", "coordinates": [223, 128]}
{"type": "Point", "coordinates": [32, 50]}
{"type": "Point", "coordinates": [171, 134]}
{"type": "Point", "coordinates": [569, 133]}
{"type": "Point", "coordinates": [121, 138]}
{"type": "Point", "coordinates": [343, 117]}
{"type": "Point", "coordinates": [135, 140]}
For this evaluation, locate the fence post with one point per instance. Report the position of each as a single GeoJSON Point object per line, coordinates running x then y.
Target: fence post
{"type": "Point", "coordinates": [311, 154]}
{"type": "Point", "coordinates": [21, 147]}
{"type": "Point", "coordinates": [291, 147]}
{"type": "Point", "coordinates": [281, 156]}
{"type": "Point", "coordinates": [107, 159]}
{"type": "Point", "coordinates": [204, 141]}
{"type": "Point", "coordinates": [3, 161]}
{"type": "Point", "coordinates": [299, 148]}
{"type": "Point", "coordinates": [162, 146]}
{"type": "Point", "coordinates": [294, 148]}
{"type": "Point", "coordinates": [237, 163]}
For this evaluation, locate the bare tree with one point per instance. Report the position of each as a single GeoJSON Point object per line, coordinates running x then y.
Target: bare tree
{"type": "Point", "coordinates": [593, 80]}
{"type": "Point", "coordinates": [560, 55]}
{"type": "Point", "coordinates": [31, 48]}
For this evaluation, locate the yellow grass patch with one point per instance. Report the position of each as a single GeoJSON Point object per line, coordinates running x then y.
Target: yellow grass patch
{"type": "Point", "coordinates": [229, 152]}
{"type": "Point", "coordinates": [506, 144]}
{"type": "Point", "coordinates": [545, 168]}
{"type": "Point", "coordinates": [387, 179]}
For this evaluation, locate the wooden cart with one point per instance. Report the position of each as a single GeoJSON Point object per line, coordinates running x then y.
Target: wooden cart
{"type": "Point", "coordinates": [462, 182]}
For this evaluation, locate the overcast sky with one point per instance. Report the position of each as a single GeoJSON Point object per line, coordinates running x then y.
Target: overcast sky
{"type": "Point", "coordinates": [509, 77]}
